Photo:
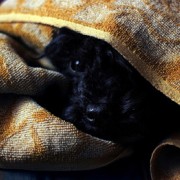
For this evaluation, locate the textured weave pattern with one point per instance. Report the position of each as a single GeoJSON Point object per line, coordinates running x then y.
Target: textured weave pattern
{"type": "Point", "coordinates": [146, 32]}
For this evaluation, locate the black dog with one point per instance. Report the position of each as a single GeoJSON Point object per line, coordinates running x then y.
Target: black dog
{"type": "Point", "coordinates": [107, 97]}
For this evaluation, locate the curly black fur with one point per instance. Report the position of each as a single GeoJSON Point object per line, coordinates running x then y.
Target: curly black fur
{"type": "Point", "coordinates": [107, 97]}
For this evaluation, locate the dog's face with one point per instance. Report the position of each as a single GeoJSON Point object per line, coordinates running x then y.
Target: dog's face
{"type": "Point", "coordinates": [100, 88]}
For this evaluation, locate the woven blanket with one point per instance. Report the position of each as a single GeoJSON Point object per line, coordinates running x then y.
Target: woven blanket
{"type": "Point", "coordinates": [145, 32]}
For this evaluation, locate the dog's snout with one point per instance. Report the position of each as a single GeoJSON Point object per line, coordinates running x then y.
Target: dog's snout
{"type": "Point", "coordinates": [92, 111]}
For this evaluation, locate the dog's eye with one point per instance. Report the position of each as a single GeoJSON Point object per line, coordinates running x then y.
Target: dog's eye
{"type": "Point", "coordinates": [76, 66]}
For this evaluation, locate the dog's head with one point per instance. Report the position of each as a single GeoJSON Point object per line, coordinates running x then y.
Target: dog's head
{"type": "Point", "coordinates": [103, 99]}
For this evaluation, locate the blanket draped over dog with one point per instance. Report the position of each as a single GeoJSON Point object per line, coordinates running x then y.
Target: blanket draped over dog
{"type": "Point", "coordinates": [145, 32]}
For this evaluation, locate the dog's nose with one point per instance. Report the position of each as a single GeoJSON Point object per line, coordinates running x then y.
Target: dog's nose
{"type": "Point", "coordinates": [92, 112]}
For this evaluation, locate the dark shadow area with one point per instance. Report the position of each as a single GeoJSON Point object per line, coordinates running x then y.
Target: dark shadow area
{"type": "Point", "coordinates": [130, 168]}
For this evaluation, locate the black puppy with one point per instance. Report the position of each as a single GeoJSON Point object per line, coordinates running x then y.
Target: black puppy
{"type": "Point", "coordinates": [107, 97]}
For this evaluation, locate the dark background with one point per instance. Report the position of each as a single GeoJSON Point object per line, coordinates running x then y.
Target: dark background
{"type": "Point", "coordinates": [130, 168]}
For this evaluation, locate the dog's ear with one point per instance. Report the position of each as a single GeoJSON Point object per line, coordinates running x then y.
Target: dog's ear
{"type": "Point", "coordinates": [130, 71]}
{"type": "Point", "coordinates": [120, 60]}
{"type": "Point", "coordinates": [60, 37]}
{"type": "Point", "coordinates": [64, 31]}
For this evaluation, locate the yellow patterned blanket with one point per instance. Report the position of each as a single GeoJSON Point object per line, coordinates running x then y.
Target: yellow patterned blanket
{"type": "Point", "coordinates": [145, 32]}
